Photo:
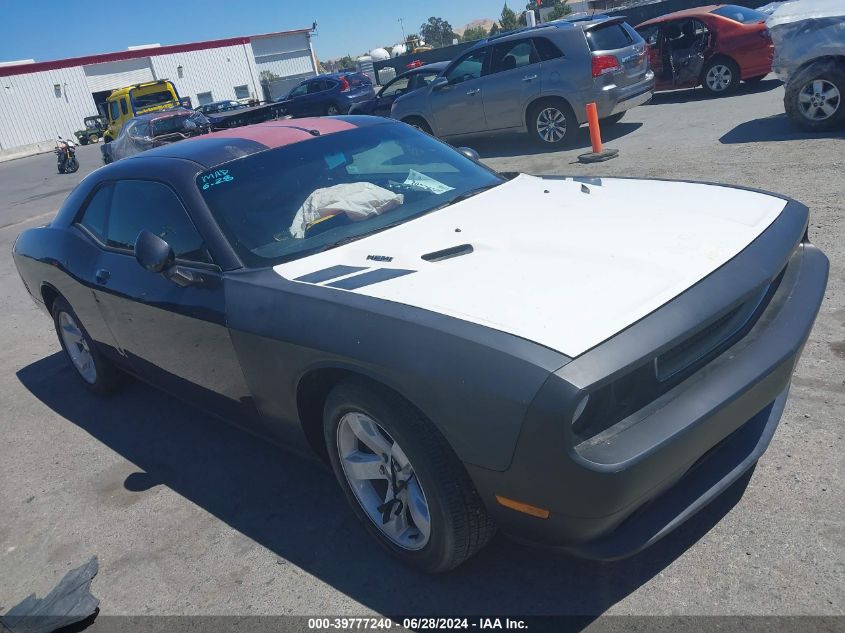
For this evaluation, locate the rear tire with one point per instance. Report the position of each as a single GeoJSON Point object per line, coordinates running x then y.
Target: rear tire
{"type": "Point", "coordinates": [720, 76]}
{"type": "Point", "coordinates": [440, 521]}
{"type": "Point", "coordinates": [418, 123]}
{"type": "Point", "coordinates": [813, 98]}
{"type": "Point", "coordinates": [552, 123]}
{"type": "Point", "coordinates": [332, 110]}
{"type": "Point", "coordinates": [96, 373]}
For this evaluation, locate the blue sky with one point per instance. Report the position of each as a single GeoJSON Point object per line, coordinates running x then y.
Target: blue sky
{"type": "Point", "coordinates": [45, 30]}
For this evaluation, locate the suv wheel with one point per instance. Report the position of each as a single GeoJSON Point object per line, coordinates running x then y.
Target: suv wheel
{"type": "Point", "coordinates": [720, 76]}
{"type": "Point", "coordinates": [813, 99]}
{"type": "Point", "coordinates": [552, 123]}
{"type": "Point", "coordinates": [332, 110]}
{"type": "Point", "coordinates": [402, 479]}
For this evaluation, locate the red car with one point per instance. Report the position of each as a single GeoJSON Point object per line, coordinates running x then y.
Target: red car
{"type": "Point", "coordinates": [714, 47]}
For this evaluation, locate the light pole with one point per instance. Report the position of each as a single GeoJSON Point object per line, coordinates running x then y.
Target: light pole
{"type": "Point", "coordinates": [402, 24]}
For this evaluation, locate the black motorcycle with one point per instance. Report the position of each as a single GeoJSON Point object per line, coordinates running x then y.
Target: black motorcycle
{"type": "Point", "coordinates": [66, 156]}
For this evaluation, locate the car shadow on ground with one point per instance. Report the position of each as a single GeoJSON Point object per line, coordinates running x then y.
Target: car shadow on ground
{"type": "Point", "coordinates": [687, 95]}
{"type": "Point", "coordinates": [772, 128]}
{"type": "Point", "coordinates": [507, 145]}
{"type": "Point", "coordinates": [292, 506]}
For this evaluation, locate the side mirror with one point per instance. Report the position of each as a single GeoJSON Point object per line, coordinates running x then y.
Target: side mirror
{"type": "Point", "coordinates": [439, 83]}
{"type": "Point", "coordinates": [152, 252]}
{"type": "Point", "coordinates": [469, 153]}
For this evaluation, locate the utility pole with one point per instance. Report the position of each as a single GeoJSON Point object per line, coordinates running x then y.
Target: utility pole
{"type": "Point", "coordinates": [402, 24]}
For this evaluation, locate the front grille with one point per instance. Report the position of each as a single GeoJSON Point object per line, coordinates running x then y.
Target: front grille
{"type": "Point", "coordinates": [624, 396]}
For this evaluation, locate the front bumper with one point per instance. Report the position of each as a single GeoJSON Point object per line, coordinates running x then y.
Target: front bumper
{"type": "Point", "coordinates": [621, 490]}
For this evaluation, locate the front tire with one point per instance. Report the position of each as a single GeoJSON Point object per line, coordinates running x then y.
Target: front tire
{"type": "Point", "coordinates": [96, 373]}
{"type": "Point", "coordinates": [813, 98]}
{"type": "Point", "coordinates": [402, 479]}
{"type": "Point", "coordinates": [720, 76]}
{"type": "Point", "coordinates": [72, 165]}
{"type": "Point", "coordinates": [552, 123]}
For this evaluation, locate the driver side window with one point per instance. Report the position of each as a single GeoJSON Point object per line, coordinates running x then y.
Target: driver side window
{"type": "Point", "coordinates": [470, 67]}
{"type": "Point", "coordinates": [299, 91]}
{"type": "Point", "coordinates": [397, 87]}
{"type": "Point", "coordinates": [145, 204]}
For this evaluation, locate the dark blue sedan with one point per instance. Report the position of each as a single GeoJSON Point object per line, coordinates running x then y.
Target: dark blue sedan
{"type": "Point", "coordinates": [407, 82]}
{"type": "Point", "coordinates": [330, 94]}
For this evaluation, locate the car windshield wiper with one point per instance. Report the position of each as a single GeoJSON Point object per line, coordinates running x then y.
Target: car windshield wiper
{"type": "Point", "coordinates": [466, 194]}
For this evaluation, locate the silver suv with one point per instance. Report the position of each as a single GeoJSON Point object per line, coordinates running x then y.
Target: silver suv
{"type": "Point", "coordinates": [537, 80]}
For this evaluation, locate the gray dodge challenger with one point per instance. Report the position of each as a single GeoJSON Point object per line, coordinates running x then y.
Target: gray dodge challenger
{"type": "Point", "coordinates": [581, 363]}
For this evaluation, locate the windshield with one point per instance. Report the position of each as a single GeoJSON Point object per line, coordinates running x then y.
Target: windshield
{"type": "Point", "coordinates": [739, 14]}
{"type": "Point", "coordinates": [289, 202]}
{"type": "Point", "coordinates": [151, 98]}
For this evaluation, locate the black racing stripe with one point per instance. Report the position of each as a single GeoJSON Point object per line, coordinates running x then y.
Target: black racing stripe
{"type": "Point", "coordinates": [328, 273]}
{"type": "Point", "coordinates": [372, 277]}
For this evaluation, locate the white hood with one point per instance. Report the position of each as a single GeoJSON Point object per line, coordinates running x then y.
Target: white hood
{"type": "Point", "coordinates": [554, 265]}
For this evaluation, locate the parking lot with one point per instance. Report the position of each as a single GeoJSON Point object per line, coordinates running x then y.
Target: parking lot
{"type": "Point", "coordinates": [190, 516]}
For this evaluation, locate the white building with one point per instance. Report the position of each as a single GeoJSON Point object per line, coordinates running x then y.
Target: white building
{"type": "Point", "coordinates": [42, 100]}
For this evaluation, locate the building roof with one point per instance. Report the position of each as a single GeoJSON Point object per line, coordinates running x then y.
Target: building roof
{"type": "Point", "coordinates": [211, 150]}
{"type": "Point", "coordinates": [85, 60]}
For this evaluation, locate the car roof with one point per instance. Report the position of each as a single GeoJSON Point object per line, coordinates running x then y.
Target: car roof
{"type": "Point", "coordinates": [425, 67]}
{"type": "Point", "coordinates": [685, 13]}
{"type": "Point", "coordinates": [211, 150]}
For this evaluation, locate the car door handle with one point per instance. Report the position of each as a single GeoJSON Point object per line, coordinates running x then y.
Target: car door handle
{"type": "Point", "coordinates": [473, 92]}
{"type": "Point", "coordinates": [102, 276]}
{"type": "Point", "coordinates": [529, 78]}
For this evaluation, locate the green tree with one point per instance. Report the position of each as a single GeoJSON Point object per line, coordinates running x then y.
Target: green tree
{"type": "Point", "coordinates": [474, 33]}
{"type": "Point", "coordinates": [266, 75]}
{"type": "Point", "coordinates": [346, 62]}
{"type": "Point", "coordinates": [561, 9]}
{"type": "Point", "coordinates": [437, 32]}
{"type": "Point", "coordinates": [508, 20]}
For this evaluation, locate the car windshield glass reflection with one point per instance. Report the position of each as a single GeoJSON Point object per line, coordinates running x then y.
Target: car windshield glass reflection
{"type": "Point", "coordinates": [285, 203]}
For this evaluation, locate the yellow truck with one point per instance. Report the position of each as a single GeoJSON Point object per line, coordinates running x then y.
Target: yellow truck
{"type": "Point", "coordinates": [124, 103]}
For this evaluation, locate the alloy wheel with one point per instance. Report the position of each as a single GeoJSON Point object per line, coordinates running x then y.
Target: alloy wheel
{"type": "Point", "coordinates": [332, 110]}
{"type": "Point", "coordinates": [383, 481]}
{"type": "Point", "coordinates": [77, 348]}
{"type": "Point", "coordinates": [818, 100]}
{"type": "Point", "coordinates": [719, 77]}
{"type": "Point", "coordinates": [551, 125]}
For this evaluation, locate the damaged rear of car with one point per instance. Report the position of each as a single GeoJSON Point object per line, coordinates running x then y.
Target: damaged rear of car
{"type": "Point", "coordinates": [809, 38]}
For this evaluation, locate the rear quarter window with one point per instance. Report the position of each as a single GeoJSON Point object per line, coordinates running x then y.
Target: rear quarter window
{"type": "Point", "coordinates": [608, 37]}
{"type": "Point", "coordinates": [546, 49]}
